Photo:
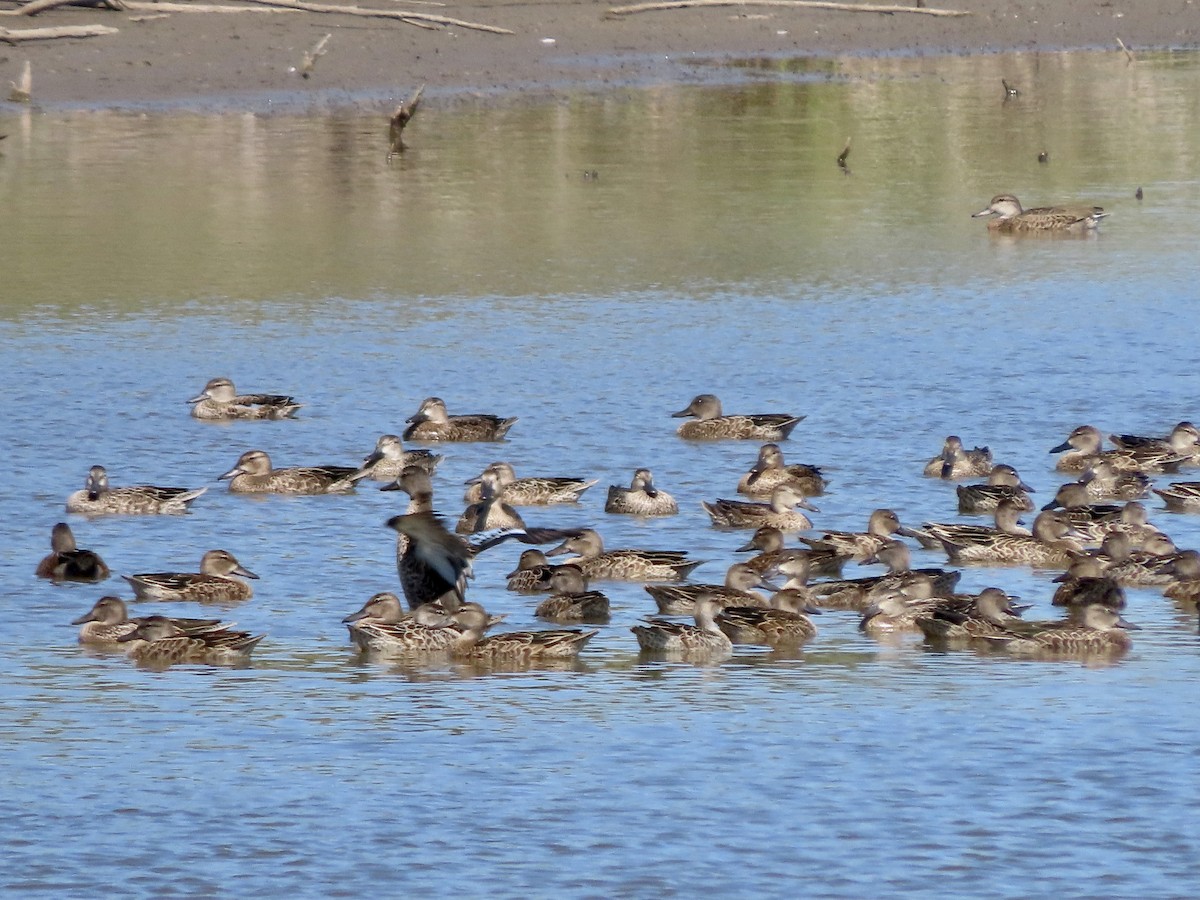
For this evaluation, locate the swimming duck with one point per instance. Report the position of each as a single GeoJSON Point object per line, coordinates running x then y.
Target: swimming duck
{"type": "Point", "coordinates": [67, 562]}
{"type": "Point", "coordinates": [1086, 582]}
{"type": "Point", "coordinates": [769, 472]}
{"type": "Point", "coordinates": [570, 600]}
{"type": "Point", "coordinates": [785, 623]}
{"type": "Point", "coordinates": [390, 459]}
{"type": "Point", "coordinates": [1130, 519]}
{"type": "Point", "coordinates": [383, 626]}
{"type": "Point", "coordinates": [991, 613]}
{"type": "Point", "coordinates": [1184, 440]}
{"type": "Point", "coordinates": [108, 621]}
{"type": "Point", "coordinates": [1181, 496]}
{"type": "Point", "coordinates": [897, 610]}
{"type": "Point", "coordinates": [1003, 484]}
{"type": "Point", "coordinates": [533, 491]}
{"type": "Point", "coordinates": [214, 583]}
{"type": "Point", "coordinates": [624, 565]}
{"type": "Point", "coordinates": [768, 540]}
{"type": "Point", "coordinates": [937, 535]}
{"type": "Point", "coordinates": [98, 498]}
{"type": "Point", "coordinates": [1051, 545]}
{"type": "Point", "coordinates": [159, 641]}
{"type": "Point", "coordinates": [641, 498]}
{"type": "Point", "coordinates": [1010, 217]}
{"type": "Point", "coordinates": [712, 425]}
{"type": "Point", "coordinates": [956, 461]}
{"type": "Point", "coordinates": [1102, 481]}
{"type": "Point", "coordinates": [860, 593]}
{"type": "Point", "coordinates": [703, 639]}
{"type": "Point", "coordinates": [858, 545]}
{"type": "Point", "coordinates": [491, 512]}
{"type": "Point", "coordinates": [514, 645]}
{"type": "Point", "coordinates": [1153, 566]}
{"type": "Point", "coordinates": [680, 599]}
{"type": "Point", "coordinates": [1083, 449]}
{"type": "Point", "coordinates": [220, 400]}
{"type": "Point", "coordinates": [1185, 588]}
{"type": "Point", "coordinates": [432, 423]}
{"type": "Point", "coordinates": [532, 574]}
{"type": "Point", "coordinates": [434, 564]}
{"type": "Point", "coordinates": [1074, 498]}
{"type": "Point", "coordinates": [253, 474]}
{"type": "Point", "coordinates": [780, 512]}
{"type": "Point", "coordinates": [1095, 629]}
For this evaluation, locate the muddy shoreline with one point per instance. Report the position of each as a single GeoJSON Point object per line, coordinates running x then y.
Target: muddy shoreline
{"type": "Point", "coordinates": [251, 60]}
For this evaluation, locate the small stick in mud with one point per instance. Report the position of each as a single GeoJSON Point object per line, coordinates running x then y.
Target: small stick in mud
{"type": "Point", "coordinates": [311, 56]}
{"type": "Point", "coordinates": [22, 88]}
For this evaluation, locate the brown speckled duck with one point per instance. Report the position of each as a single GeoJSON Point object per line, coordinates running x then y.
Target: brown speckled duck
{"type": "Point", "coordinates": [529, 491]}
{"type": "Point", "coordinates": [514, 645]}
{"type": "Point", "coordinates": [641, 498]}
{"type": "Point", "coordinates": [570, 600]}
{"type": "Point", "coordinates": [1004, 483]}
{"type": "Point", "coordinates": [108, 621]}
{"type": "Point", "coordinates": [624, 564]}
{"type": "Point", "coordinates": [781, 512]}
{"type": "Point", "coordinates": [157, 641]}
{"type": "Point", "coordinates": [1008, 217]}
{"type": "Point", "coordinates": [97, 498]}
{"type": "Point", "coordinates": [956, 461]}
{"type": "Point", "coordinates": [704, 639]}
{"type": "Point", "coordinates": [711, 424]}
{"type": "Point", "coordinates": [254, 474]}
{"type": "Point", "coordinates": [769, 471]}
{"type": "Point", "coordinates": [431, 422]}
{"type": "Point", "coordinates": [214, 583]}
{"type": "Point", "coordinates": [390, 459]}
{"type": "Point", "coordinates": [66, 562]}
{"type": "Point", "coordinates": [738, 590]}
{"type": "Point", "coordinates": [220, 401]}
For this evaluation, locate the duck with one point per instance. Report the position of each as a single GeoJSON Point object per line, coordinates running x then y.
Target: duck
{"type": "Point", "coordinates": [1004, 483]}
{"type": "Point", "coordinates": [1131, 520]}
{"type": "Point", "coordinates": [220, 401]}
{"type": "Point", "coordinates": [1184, 440]}
{"type": "Point", "coordinates": [570, 600]}
{"type": "Point", "coordinates": [157, 641]}
{"type": "Point", "coordinates": [897, 610]}
{"type": "Point", "coordinates": [937, 535]}
{"type": "Point", "coordinates": [108, 620]}
{"type": "Point", "coordinates": [432, 423]}
{"type": "Point", "coordinates": [214, 583]}
{"type": "Point", "coordinates": [1153, 566]}
{"type": "Point", "coordinates": [435, 564]}
{"type": "Point", "coordinates": [383, 626]}
{"type": "Point", "coordinates": [1086, 582]}
{"type": "Point", "coordinates": [641, 498]}
{"type": "Point", "coordinates": [990, 613]}
{"type": "Point", "coordinates": [858, 545]}
{"type": "Point", "coordinates": [66, 562]}
{"type": "Point", "coordinates": [956, 461]}
{"type": "Point", "coordinates": [769, 471]}
{"type": "Point", "coordinates": [390, 458]}
{"type": "Point", "coordinates": [768, 540]}
{"type": "Point", "coordinates": [1075, 499]}
{"type": "Point", "coordinates": [624, 565]}
{"type": "Point", "coordinates": [1181, 496]}
{"type": "Point", "coordinates": [514, 645]}
{"type": "Point", "coordinates": [712, 425]}
{"type": "Point", "coordinates": [738, 590]}
{"type": "Point", "coordinates": [532, 574]}
{"type": "Point", "coordinates": [531, 491]}
{"type": "Point", "coordinates": [1185, 587]}
{"type": "Point", "coordinates": [1009, 217]}
{"type": "Point", "coordinates": [704, 639]}
{"type": "Point", "coordinates": [97, 498]}
{"type": "Point", "coordinates": [785, 623]}
{"type": "Point", "coordinates": [1050, 545]}
{"type": "Point", "coordinates": [859, 593]}
{"type": "Point", "coordinates": [1095, 629]}
{"type": "Point", "coordinates": [780, 511]}
{"type": "Point", "coordinates": [1101, 481]}
{"type": "Point", "coordinates": [1083, 449]}
{"type": "Point", "coordinates": [254, 474]}
{"type": "Point", "coordinates": [491, 512]}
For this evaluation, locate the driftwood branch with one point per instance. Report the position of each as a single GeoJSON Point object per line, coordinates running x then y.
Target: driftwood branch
{"type": "Point", "coordinates": [36, 6]}
{"type": "Point", "coordinates": [402, 15]}
{"type": "Point", "coordinates": [22, 88]}
{"type": "Point", "coordinates": [11, 36]}
{"type": "Point", "coordinates": [792, 4]}
{"type": "Point", "coordinates": [404, 112]}
{"type": "Point", "coordinates": [311, 56]}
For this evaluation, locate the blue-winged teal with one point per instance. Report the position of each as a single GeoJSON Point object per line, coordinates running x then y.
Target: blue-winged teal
{"type": "Point", "coordinates": [253, 474]}
{"type": "Point", "coordinates": [220, 400]}
{"type": "Point", "coordinates": [641, 498]}
{"type": "Point", "coordinates": [1084, 583]}
{"type": "Point", "coordinates": [897, 610]}
{"type": "Point", "coordinates": [1083, 450]}
{"type": "Point", "coordinates": [1010, 217]}
{"type": "Point", "coordinates": [383, 626]}
{"type": "Point", "coordinates": [514, 645]}
{"type": "Point", "coordinates": [785, 623]}
{"type": "Point", "coordinates": [157, 641]}
{"type": "Point", "coordinates": [703, 639]}
{"type": "Point", "coordinates": [1092, 523]}
{"type": "Point", "coordinates": [1003, 484]}
{"type": "Point", "coordinates": [530, 491]}
{"type": "Point", "coordinates": [570, 600]}
{"type": "Point", "coordinates": [489, 513]}
{"type": "Point", "coordinates": [390, 459]}
{"type": "Point", "coordinates": [860, 593]}
{"type": "Point", "coordinates": [939, 535]}
{"type": "Point", "coordinates": [1153, 566]}
{"type": "Point", "coordinates": [857, 545]}
{"type": "Point", "coordinates": [1101, 481]}
{"type": "Point", "coordinates": [214, 583]}
{"type": "Point", "coordinates": [98, 498]}
{"type": "Point", "coordinates": [108, 621]}
{"type": "Point", "coordinates": [710, 424]}
{"type": "Point", "coordinates": [780, 512]}
{"type": "Point", "coordinates": [769, 472]}
{"type": "Point", "coordinates": [773, 551]}
{"type": "Point", "coordinates": [432, 423]}
{"type": "Point", "coordinates": [956, 461]}
{"type": "Point", "coordinates": [1185, 588]}
{"type": "Point", "coordinates": [624, 564]}
{"type": "Point", "coordinates": [1184, 440]}
{"type": "Point", "coordinates": [1181, 496]}
{"type": "Point", "coordinates": [532, 574]}
{"type": "Point", "coordinates": [990, 613]}
{"type": "Point", "coordinates": [1051, 545]}
{"type": "Point", "coordinates": [434, 564]}
{"type": "Point", "coordinates": [1094, 629]}
{"type": "Point", "coordinates": [67, 562]}
{"type": "Point", "coordinates": [738, 590]}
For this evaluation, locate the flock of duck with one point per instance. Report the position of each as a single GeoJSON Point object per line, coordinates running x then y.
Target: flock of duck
{"type": "Point", "coordinates": [1095, 529]}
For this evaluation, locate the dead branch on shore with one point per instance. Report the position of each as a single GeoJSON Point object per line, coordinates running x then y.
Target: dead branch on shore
{"type": "Point", "coordinates": [22, 88]}
{"type": "Point", "coordinates": [410, 18]}
{"type": "Point", "coordinates": [311, 56]}
{"type": "Point", "coordinates": [404, 112]}
{"type": "Point", "coordinates": [36, 6]}
{"type": "Point", "coordinates": [1128, 53]}
{"type": "Point", "coordinates": [11, 36]}
{"type": "Point", "coordinates": [793, 4]}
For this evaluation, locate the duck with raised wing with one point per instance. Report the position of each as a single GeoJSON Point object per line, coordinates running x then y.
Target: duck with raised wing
{"type": "Point", "coordinates": [785, 623]}
{"type": "Point", "coordinates": [738, 590]}
{"type": "Point", "coordinates": [383, 626]}
{"type": "Point", "coordinates": [570, 600]}
{"type": "Point", "coordinates": [1004, 483]}
{"type": "Point", "coordinates": [956, 461]}
{"type": "Point", "coordinates": [860, 545]}
{"type": "Point", "coordinates": [990, 613]}
{"type": "Point", "coordinates": [641, 498]}
{"type": "Point", "coordinates": [254, 474]}
{"type": "Point", "coordinates": [514, 645]}
{"type": "Point", "coordinates": [434, 564]}
{"type": "Point", "coordinates": [97, 498]}
{"type": "Point", "coordinates": [1008, 216]}
{"type": "Point", "coordinates": [66, 562]}
{"type": "Point", "coordinates": [108, 621]}
{"type": "Point", "coordinates": [390, 459]}
{"type": "Point", "coordinates": [1094, 629]}
{"type": "Point", "coordinates": [625, 564]}
{"type": "Point", "coordinates": [712, 425]}
{"type": "Point", "coordinates": [781, 512]}
{"type": "Point", "coordinates": [1083, 449]}
{"type": "Point", "coordinates": [1181, 496]}
{"type": "Point", "coordinates": [704, 639]}
{"type": "Point", "coordinates": [1184, 440]}
{"type": "Point", "coordinates": [157, 641]}
{"type": "Point", "coordinates": [530, 491]}
{"type": "Point", "coordinates": [773, 551]}
{"type": "Point", "coordinates": [431, 423]}
{"type": "Point", "coordinates": [769, 471]}
{"type": "Point", "coordinates": [214, 583]}
{"type": "Point", "coordinates": [220, 401]}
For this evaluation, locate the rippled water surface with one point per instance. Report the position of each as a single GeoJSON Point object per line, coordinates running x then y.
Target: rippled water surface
{"type": "Point", "coordinates": [718, 248]}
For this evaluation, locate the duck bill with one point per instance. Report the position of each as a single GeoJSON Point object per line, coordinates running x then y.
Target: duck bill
{"type": "Point", "coordinates": [560, 549]}
{"type": "Point", "coordinates": [1053, 504]}
{"type": "Point", "coordinates": [89, 616]}
{"type": "Point", "coordinates": [126, 638]}
{"type": "Point", "coordinates": [230, 474]}
{"type": "Point", "coordinates": [804, 504]}
{"type": "Point", "coordinates": [199, 399]}
{"type": "Point", "coordinates": [1127, 625]}
{"type": "Point", "coordinates": [746, 547]}
{"type": "Point", "coordinates": [244, 572]}
{"type": "Point", "coordinates": [682, 414]}
{"type": "Point", "coordinates": [355, 617]}
{"type": "Point", "coordinates": [1061, 448]}
{"type": "Point", "coordinates": [372, 459]}
{"type": "Point", "coordinates": [982, 213]}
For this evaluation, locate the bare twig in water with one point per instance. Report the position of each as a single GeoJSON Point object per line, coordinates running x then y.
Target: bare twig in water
{"type": "Point", "coordinates": [1128, 53]}
{"type": "Point", "coordinates": [795, 4]}
{"type": "Point", "coordinates": [843, 156]}
{"type": "Point", "coordinates": [22, 88]}
{"type": "Point", "coordinates": [311, 56]}
{"type": "Point", "coordinates": [400, 118]}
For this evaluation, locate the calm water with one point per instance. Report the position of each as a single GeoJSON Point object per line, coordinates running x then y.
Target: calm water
{"type": "Point", "coordinates": [719, 249]}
